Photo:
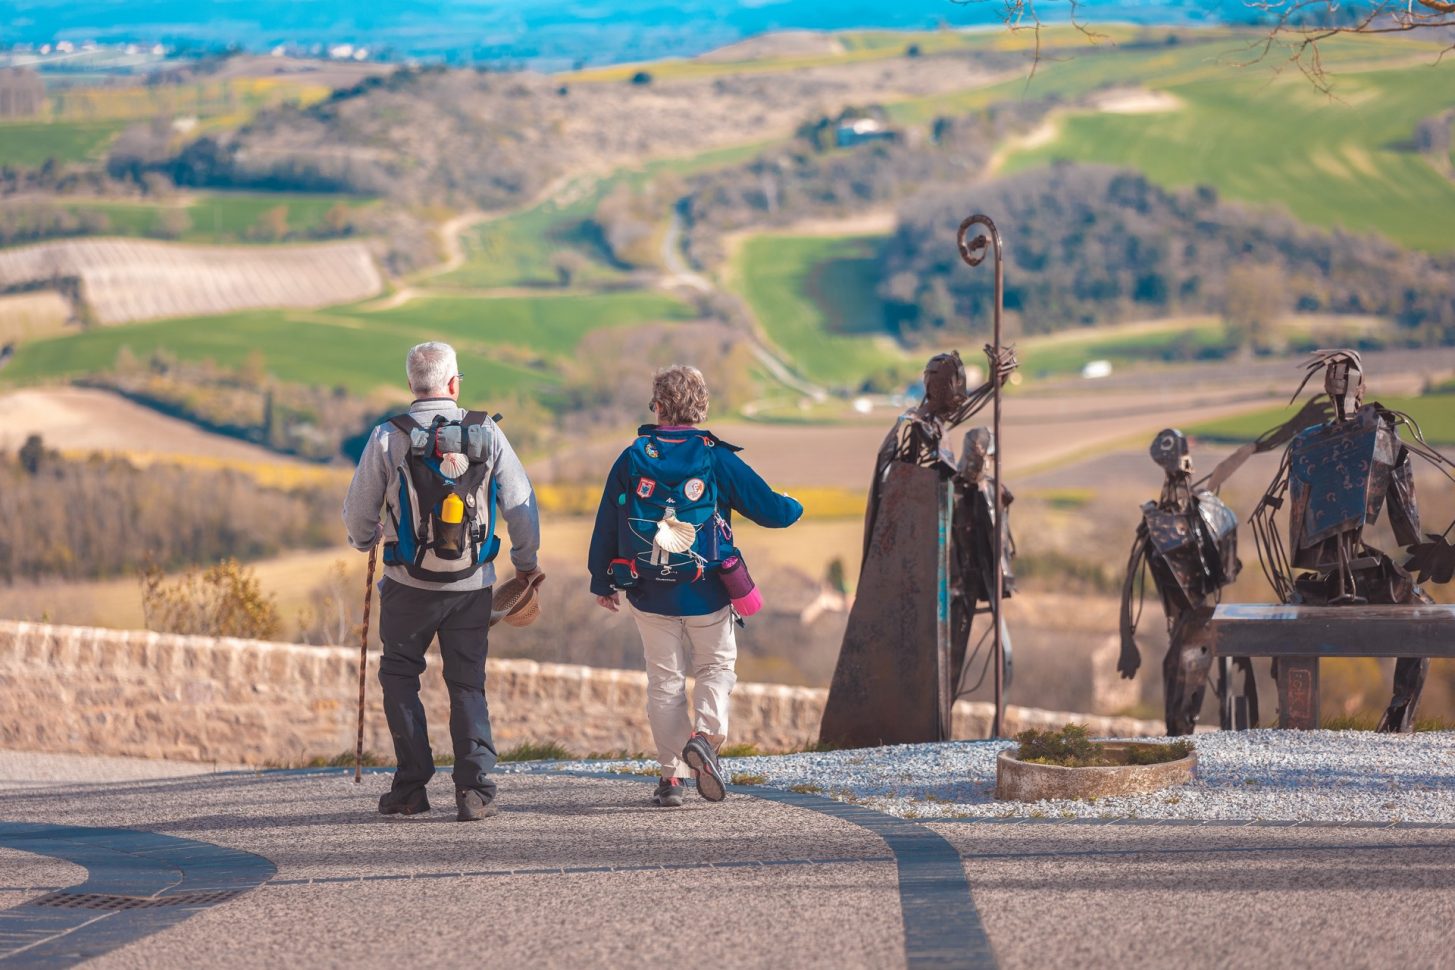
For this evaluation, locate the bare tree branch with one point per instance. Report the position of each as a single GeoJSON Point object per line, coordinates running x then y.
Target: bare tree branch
{"type": "Point", "coordinates": [1295, 28]}
{"type": "Point", "coordinates": [1020, 15]}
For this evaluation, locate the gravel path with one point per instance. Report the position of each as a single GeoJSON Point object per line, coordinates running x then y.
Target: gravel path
{"type": "Point", "coordinates": [1332, 776]}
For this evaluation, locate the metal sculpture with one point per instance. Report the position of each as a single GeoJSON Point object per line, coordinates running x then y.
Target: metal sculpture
{"type": "Point", "coordinates": [895, 679]}
{"type": "Point", "coordinates": [1336, 477]}
{"type": "Point", "coordinates": [974, 565]}
{"type": "Point", "coordinates": [1188, 541]}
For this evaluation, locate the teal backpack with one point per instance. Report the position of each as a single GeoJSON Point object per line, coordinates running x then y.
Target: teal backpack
{"type": "Point", "coordinates": [671, 530]}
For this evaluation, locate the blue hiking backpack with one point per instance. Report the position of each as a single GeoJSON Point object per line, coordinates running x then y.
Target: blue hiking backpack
{"type": "Point", "coordinates": [441, 526]}
{"type": "Point", "coordinates": [672, 531]}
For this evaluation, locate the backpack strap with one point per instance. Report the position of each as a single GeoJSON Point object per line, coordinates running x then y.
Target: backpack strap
{"type": "Point", "coordinates": [473, 430]}
{"type": "Point", "coordinates": [417, 434]}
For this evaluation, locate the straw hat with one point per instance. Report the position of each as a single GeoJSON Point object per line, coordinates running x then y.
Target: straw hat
{"type": "Point", "coordinates": [517, 600]}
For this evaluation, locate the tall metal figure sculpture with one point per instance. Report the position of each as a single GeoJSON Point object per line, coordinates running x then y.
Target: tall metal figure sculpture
{"type": "Point", "coordinates": [1188, 541]}
{"type": "Point", "coordinates": [1336, 477]}
{"type": "Point", "coordinates": [973, 565]}
{"type": "Point", "coordinates": [894, 682]}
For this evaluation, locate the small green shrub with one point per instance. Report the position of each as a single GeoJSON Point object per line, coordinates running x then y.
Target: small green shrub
{"type": "Point", "coordinates": [1156, 754]}
{"type": "Point", "coordinates": [744, 778]}
{"type": "Point", "coordinates": [620, 754]}
{"type": "Point", "coordinates": [1072, 747]}
{"type": "Point", "coordinates": [344, 760]}
{"type": "Point", "coordinates": [537, 751]}
{"type": "Point", "coordinates": [806, 788]}
{"type": "Point", "coordinates": [739, 751]}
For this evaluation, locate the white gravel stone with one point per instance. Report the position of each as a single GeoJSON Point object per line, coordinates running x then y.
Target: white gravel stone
{"type": "Point", "coordinates": [1269, 775]}
{"type": "Point", "coordinates": [29, 769]}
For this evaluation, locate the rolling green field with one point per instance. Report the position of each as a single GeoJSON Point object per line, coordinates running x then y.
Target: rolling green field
{"type": "Point", "coordinates": [550, 326]}
{"type": "Point", "coordinates": [516, 249]}
{"type": "Point", "coordinates": [506, 346]}
{"type": "Point", "coordinates": [859, 46]}
{"type": "Point", "coordinates": [1434, 412]}
{"type": "Point", "coordinates": [814, 297]}
{"type": "Point", "coordinates": [1067, 353]}
{"type": "Point", "coordinates": [1332, 162]}
{"type": "Point", "coordinates": [218, 217]}
{"type": "Point", "coordinates": [82, 121]}
{"type": "Point", "coordinates": [30, 144]}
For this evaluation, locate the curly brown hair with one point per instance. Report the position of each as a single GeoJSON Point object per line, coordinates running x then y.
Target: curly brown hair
{"type": "Point", "coordinates": [679, 395]}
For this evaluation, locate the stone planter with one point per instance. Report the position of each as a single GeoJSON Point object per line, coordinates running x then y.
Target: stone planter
{"type": "Point", "coordinates": [1025, 781]}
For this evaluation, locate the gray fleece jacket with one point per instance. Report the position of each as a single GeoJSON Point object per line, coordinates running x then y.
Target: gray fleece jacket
{"type": "Point", "coordinates": [364, 506]}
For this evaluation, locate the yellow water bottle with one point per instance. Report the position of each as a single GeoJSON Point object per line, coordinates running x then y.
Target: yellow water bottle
{"type": "Point", "coordinates": [450, 530]}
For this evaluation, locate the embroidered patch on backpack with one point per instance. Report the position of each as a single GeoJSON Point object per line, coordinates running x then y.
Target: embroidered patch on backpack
{"type": "Point", "coordinates": [646, 487]}
{"type": "Point", "coordinates": [694, 489]}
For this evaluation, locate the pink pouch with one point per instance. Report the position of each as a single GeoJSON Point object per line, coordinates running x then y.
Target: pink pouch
{"type": "Point", "coordinates": [740, 586]}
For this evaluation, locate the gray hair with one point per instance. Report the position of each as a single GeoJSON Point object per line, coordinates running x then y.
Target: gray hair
{"type": "Point", "coordinates": [430, 366]}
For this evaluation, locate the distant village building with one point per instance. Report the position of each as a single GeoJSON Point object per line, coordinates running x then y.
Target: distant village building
{"type": "Point", "coordinates": [22, 93]}
{"type": "Point", "coordinates": [857, 131]}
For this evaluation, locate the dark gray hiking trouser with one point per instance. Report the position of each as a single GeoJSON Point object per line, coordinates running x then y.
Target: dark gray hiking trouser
{"type": "Point", "coordinates": [409, 619]}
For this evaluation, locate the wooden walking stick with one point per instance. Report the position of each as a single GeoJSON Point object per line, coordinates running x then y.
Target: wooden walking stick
{"type": "Point", "coordinates": [972, 251]}
{"type": "Point", "coordinates": [364, 664]}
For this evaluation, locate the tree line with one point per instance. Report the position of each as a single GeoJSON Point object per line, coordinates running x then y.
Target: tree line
{"type": "Point", "coordinates": [97, 517]}
{"type": "Point", "coordinates": [809, 178]}
{"type": "Point", "coordinates": [1094, 244]}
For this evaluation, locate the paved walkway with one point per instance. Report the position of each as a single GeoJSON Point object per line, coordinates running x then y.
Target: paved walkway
{"type": "Point", "coordinates": [295, 869]}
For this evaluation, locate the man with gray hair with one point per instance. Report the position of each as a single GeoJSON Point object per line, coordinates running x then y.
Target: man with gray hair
{"type": "Point", "coordinates": [429, 485]}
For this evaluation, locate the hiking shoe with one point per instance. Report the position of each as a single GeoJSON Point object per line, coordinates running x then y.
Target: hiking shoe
{"type": "Point", "coordinates": [473, 805]}
{"type": "Point", "coordinates": [669, 793]}
{"type": "Point", "coordinates": [414, 802]}
{"type": "Point", "coordinates": [701, 757]}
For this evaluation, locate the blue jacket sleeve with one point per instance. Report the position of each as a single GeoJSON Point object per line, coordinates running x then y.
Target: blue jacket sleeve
{"type": "Point", "coordinates": [604, 539]}
{"type": "Point", "coordinates": [746, 493]}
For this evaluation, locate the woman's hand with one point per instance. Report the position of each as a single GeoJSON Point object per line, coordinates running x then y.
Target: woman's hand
{"type": "Point", "coordinates": [612, 602]}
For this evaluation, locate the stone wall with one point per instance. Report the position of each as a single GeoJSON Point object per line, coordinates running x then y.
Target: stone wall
{"type": "Point", "coordinates": [155, 695]}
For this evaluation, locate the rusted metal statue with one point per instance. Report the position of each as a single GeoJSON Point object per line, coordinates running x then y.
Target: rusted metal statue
{"type": "Point", "coordinates": [894, 680]}
{"type": "Point", "coordinates": [918, 435]}
{"type": "Point", "coordinates": [1188, 541]}
{"type": "Point", "coordinates": [1336, 476]}
{"type": "Point", "coordinates": [973, 563]}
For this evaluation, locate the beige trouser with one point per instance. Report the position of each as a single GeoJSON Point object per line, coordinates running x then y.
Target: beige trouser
{"type": "Point", "coordinates": [674, 647]}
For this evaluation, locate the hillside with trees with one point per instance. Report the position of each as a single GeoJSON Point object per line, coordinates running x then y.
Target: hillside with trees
{"type": "Point", "coordinates": [1098, 245]}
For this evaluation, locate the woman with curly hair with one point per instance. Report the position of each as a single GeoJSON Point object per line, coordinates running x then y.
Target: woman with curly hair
{"type": "Point", "coordinates": [664, 537]}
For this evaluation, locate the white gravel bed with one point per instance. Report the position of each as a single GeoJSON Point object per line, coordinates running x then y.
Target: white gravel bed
{"type": "Point", "coordinates": [1269, 775]}
{"type": "Point", "coordinates": [31, 769]}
